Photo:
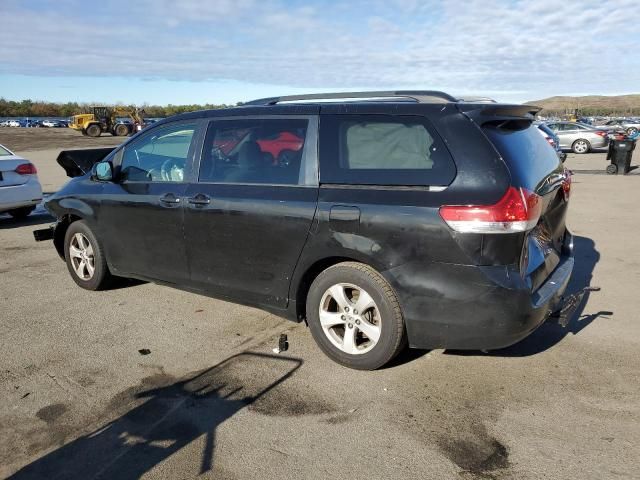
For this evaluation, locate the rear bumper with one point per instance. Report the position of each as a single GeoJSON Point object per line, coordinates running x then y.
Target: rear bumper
{"type": "Point", "coordinates": [600, 142]}
{"type": "Point", "coordinates": [474, 308]}
{"type": "Point", "coordinates": [17, 196]}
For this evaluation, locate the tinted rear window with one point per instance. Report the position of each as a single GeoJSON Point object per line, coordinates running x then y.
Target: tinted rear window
{"type": "Point", "coordinates": [528, 155]}
{"type": "Point", "coordinates": [382, 150]}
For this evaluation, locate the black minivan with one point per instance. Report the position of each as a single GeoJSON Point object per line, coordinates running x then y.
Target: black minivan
{"type": "Point", "coordinates": [379, 218]}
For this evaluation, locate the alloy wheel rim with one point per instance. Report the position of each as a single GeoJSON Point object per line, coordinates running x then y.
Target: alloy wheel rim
{"type": "Point", "coordinates": [581, 146]}
{"type": "Point", "coordinates": [350, 318]}
{"type": "Point", "coordinates": [82, 257]}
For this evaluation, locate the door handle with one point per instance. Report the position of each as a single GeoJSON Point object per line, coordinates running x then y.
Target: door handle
{"type": "Point", "coordinates": [169, 198]}
{"type": "Point", "coordinates": [199, 199]}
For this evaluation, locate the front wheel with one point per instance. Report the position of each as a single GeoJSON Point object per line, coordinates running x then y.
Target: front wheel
{"type": "Point", "coordinates": [355, 317]}
{"type": "Point", "coordinates": [85, 258]}
{"type": "Point", "coordinates": [581, 146]}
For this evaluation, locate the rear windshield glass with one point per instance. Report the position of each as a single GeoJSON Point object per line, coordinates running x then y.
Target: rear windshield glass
{"type": "Point", "coordinates": [4, 152]}
{"type": "Point", "coordinates": [382, 150]}
{"type": "Point", "coordinates": [528, 155]}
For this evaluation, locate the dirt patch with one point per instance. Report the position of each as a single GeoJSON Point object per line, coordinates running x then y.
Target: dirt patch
{"type": "Point", "coordinates": [18, 139]}
{"type": "Point", "coordinates": [51, 413]}
{"type": "Point", "coordinates": [478, 453]}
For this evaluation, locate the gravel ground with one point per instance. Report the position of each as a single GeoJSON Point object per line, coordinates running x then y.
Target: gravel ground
{"type": "Point", "coordinates": [78, 400]}
{"type": "Point", "coordinates": [29, 139]}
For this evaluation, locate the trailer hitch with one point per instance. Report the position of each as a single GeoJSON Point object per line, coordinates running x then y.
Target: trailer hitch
{"type": "Point", "coordinates": [568, 306]}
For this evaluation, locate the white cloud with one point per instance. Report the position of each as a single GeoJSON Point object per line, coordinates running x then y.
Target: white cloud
{"type": "Point", "coordinates": [539, 48]}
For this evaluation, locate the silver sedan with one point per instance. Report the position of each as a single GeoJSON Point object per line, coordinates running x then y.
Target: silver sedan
{"type": "Point", "coordinates": [629, 126]}
{"type": "Point", "coordinates": [20, 189]}
{"type": "Point", "coordinates": [579, 137]}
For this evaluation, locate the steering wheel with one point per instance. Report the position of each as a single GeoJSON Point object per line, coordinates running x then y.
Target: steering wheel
{"type": "Point", "coordinates": [171, 171]}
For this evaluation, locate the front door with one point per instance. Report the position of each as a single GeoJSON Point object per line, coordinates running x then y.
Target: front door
{"type": "Point", "coordinates": [248, 215]}
{"type": "Point", "coordinates": [141, 213]}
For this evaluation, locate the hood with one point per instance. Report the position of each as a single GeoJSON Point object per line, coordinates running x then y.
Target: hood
{"type": "Point", "coordinates": [78, 162]}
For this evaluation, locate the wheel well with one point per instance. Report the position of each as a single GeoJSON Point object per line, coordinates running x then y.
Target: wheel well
{"type": "Point", "coordinates": [61, 230]}
{"type": "Point", "coordinates": [307, 279]}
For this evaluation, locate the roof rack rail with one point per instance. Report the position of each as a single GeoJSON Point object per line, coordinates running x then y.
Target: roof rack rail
{"type": "Point", "coordinates": [476, 100]}
{"type": "Point", "coordinates": [418, 96]}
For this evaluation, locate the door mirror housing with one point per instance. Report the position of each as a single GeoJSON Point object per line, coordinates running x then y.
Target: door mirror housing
{"type": "Point", "coordinates": [102, 171]}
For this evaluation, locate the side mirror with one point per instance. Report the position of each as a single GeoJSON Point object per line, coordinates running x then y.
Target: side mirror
{"type": "Point", "coordinates": [102, 171]}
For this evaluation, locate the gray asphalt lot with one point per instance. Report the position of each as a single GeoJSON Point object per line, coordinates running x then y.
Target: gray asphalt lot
{"type": "Point", "coordinates": [211, 400]}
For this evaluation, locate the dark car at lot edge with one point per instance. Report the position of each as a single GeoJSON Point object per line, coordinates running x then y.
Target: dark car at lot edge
{"type": "Point", "coordinates": [406, 217]}
{"type": "Point", "coordinates": [552, 139]}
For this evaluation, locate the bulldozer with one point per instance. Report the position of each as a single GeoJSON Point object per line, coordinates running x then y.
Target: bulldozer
{"type": "Point", "coordinates": [104, 120]}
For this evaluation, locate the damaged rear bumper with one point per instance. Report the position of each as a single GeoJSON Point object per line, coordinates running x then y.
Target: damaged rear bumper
{"type": "Point", "coordinates": [467, 307]}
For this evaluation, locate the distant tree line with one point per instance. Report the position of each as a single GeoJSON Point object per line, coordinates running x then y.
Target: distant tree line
{"type": "Point", "coordinates": [30, 108]}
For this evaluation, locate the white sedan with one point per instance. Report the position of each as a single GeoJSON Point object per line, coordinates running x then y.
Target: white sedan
{"type": "Point", "coordinates": [20, 189]}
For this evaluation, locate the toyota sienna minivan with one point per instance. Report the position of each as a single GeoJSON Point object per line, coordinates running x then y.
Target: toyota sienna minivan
{"type": "Point", "coordinates": [380, 219]}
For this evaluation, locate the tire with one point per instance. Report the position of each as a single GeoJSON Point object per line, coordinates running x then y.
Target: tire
{"type": "Point", "coordinates": [631, 131]}
{"type": "Point", "coordinates": [121, 130]}
{"type": "Point", "coordinates": [94, 130]}
{"type": "Point", "coordinates": [84, 132]}
{"type": "Point", "coordinates": [612, 169]}
{"type": "Point", "coordinates": [79, 238]}
{"type": "Point", "coordinates": [21, 213]}
{"type": "Point", "coordinates": [382, 316]}
{"type": "Point", "coordinates": [581, 146]}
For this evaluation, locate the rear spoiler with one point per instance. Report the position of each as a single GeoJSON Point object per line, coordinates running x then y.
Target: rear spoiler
{"type": "Point", "coordinates": [501, 115]}
{"type": "Point", "coordinates": [78, 162]}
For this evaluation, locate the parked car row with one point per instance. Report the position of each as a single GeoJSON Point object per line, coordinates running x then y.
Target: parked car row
{"type": "Point", "coordinates": [630, 126]}
{"type": "Point", "coordinates": [30, 123]}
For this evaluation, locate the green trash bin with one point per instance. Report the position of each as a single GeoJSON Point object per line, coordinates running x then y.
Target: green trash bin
{"type": "Point", "coordinates": [619, 154]}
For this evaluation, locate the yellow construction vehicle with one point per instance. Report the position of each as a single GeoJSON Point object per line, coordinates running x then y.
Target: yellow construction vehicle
{"type": "Point", "coordinates": [105, 120]}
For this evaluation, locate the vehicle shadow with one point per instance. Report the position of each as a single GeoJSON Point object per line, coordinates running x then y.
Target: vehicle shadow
{"type": "Point", "coordinates": [172, 416]}
{"type": "Point", "coordinates": [551, 333]}
{"type": "Point", "coordinates": [36, 218]}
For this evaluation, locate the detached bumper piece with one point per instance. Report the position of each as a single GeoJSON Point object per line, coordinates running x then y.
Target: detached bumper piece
{"type": "Point", "coordinates": [43, 234]}
{"type": "Point", "coordinates": [569, 305]}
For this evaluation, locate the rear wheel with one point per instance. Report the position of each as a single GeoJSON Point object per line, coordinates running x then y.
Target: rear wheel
{"type": "Point", "coordinates": [581, 146]}
{"type": "Point", "coordinates": [94, 130]}
{"type": "Point", "coordinates": [612, 169]}
{"type": "Point", "coordinates": [85, 258]}
{"type": "Point", "coordinates": [20, 213]}
{"type": "Point", "coordinates": [121, 130]}
{"type": "Point", "coordinates": [354, 316]}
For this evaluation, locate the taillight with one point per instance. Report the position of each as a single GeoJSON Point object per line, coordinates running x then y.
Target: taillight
{"type": "Point", "coordinates": [551, 142]}
{"type": "Point", "coordinates": [517, 211]}
{"type": "Point", "coordinates": [566, 183]}
{"type": "Point", "coordinates": [26, 169]}
{"type": "Point", "coordinates": [601, 133]}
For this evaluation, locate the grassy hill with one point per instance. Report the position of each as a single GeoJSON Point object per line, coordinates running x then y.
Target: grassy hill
{"type": "Point", "coordinates": [592, 104]}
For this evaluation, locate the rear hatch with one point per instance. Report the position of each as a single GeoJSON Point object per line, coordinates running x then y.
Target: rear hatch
{"type": "Point", "coordinates": [78, 162]}
{"type": "Point", "coordinates": [535, 168]}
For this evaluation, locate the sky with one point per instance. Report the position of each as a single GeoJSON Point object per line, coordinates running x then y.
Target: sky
{"type": "Point", "coordinates": [226, 51]}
